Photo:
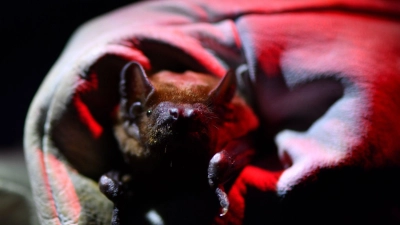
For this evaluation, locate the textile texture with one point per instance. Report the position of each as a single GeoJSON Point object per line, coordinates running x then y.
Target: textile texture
{"type": "Point", "coordinates": [322, 76]}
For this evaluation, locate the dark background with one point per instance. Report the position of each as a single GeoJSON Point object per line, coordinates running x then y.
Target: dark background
{"type": "Point", "coordinates": [33, 34]}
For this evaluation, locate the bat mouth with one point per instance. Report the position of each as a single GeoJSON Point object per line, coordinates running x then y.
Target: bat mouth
{"type": "Point", "coordinates": [180, 140]}
{"type": "Point", "coordinates": [184, 159]}
{"type": "Point", "coordinates": [185, 148]}
{"type": "Point", "coordinates": [191, 130]}
{"type": "Point", "coordinates": [182, 130]}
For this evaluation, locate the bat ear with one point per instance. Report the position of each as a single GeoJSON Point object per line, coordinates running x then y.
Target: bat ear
{"type": "Point", "coordinates": [225, 90]}
{"type": "Point", "coordinates": [134, 86]}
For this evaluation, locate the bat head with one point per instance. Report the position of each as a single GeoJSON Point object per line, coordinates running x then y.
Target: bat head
{"type": "Point", "coordinates": [175, 114]}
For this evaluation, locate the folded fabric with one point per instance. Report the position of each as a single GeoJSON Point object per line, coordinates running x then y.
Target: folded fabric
{"type": "Point", "coordinates": [321, 75]}
{"type": "Point", "coordinates": [16, 202]}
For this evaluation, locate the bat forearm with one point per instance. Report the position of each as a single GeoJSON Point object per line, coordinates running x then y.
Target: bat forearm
{"type": "Point", "coordinates": [227, 163]}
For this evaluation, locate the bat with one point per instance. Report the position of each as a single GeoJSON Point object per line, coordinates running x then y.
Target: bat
{"type": "Point", "coordinates": [177, 132]}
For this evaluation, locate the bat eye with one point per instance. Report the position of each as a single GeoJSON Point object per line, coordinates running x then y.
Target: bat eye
{"type": "Point", "coordinates": [148, 113]}
{"type": "Point", "coordinates": [135, 109]}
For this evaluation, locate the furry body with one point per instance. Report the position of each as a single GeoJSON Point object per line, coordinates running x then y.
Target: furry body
{"type": "Point", "coordinates": [177, 130]}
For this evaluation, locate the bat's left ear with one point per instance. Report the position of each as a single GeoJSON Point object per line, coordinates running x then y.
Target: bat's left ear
{"type": "Point", "coordinates": [135, 88]}
{"type": "Point", "coordinates": [225, 90]}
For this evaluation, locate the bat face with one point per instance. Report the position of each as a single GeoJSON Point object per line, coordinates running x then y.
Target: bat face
{"type": "Point", "coordinates": [172, 118]}
{"type": "Point", "coordinates": [178, 112]}
{"type": "Point", "coordinates": [176, 121]}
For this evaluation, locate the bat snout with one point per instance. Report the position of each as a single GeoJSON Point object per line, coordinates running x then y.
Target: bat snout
{"type": "Point", "coordinates": [174, 113]}
{"type": "Point", "coordinates": [181, 112]}
{"type": "Point", "coordinates": [175, 122]}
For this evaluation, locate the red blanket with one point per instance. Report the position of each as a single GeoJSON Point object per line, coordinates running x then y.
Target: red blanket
{"type": "Point", "coordinates": [323, 77]}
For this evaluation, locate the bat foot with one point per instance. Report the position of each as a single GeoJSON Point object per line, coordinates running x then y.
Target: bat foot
{"type": "Point", "coordinates": [115, 186]}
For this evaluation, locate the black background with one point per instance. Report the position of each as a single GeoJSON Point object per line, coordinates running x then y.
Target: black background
{"type": "Point", "coordinates": [33, 34]}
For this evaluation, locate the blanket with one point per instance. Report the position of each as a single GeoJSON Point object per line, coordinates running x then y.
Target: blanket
{"type": "Point", "coordinates": [322, 76]}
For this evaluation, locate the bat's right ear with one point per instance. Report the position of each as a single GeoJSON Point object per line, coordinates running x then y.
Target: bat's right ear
{"type": "Point", "coordinates": [225, 90]}
{"type": "Point", "coordinates": [134, 86]}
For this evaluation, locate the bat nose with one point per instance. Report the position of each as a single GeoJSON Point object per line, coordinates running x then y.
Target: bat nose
{"type": "Point", "coordinates": [174, 113]}
{"type": "Point", "coordinates": [181, 112]}
{"type": "Point", "coordinates": [188, 113]}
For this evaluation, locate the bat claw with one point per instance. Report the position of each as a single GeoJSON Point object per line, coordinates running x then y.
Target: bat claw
{"type": "Point", "coordinates": [224, 211]}
{"type": "Point", "coordinates": [223, 200]}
